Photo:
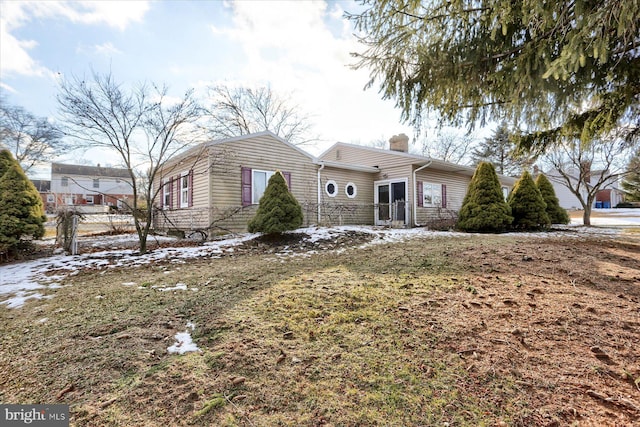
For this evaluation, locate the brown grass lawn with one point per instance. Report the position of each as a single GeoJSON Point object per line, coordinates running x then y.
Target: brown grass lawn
{"type": "Point", "coordinates": [458, 331]}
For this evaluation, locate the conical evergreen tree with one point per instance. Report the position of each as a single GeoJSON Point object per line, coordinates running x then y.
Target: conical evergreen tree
{"type": "Point", "coordinates": [501, 151]}
{"type": "Point", "coordinates": [557, 214]}
{"type": "Point", "coordinates": [21, 210]}
{"type": "Point", "coordinates": [527, 205]}
{"type": "Point", "coordinates": [6, 160]}
{"type": "Point", "coordinates": [631, 182]}
{"type": "Point", "coordinates": [484, 208]}
{"type": "Point", "coordinates": [278, 210]}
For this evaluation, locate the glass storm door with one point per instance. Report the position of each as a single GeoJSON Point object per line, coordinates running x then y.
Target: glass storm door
{"type": "Point", "coordinates": [390, 199]}
{"type": "Point", "coordinates": [383, 204]}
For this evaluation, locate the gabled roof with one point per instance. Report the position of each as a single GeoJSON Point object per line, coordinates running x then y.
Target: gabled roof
{"type": "Point", "coordinates": [414, 159]}
{"type": "Point", "coordinates": [200, 147]}
{"type": "Point", "coordinates": [97, 171]}
{"type": "Point", "coordinates": [259, 134]}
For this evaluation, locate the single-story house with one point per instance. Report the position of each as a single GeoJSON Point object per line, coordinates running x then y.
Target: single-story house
{"type": "Point", "coordinates": [217, 185]}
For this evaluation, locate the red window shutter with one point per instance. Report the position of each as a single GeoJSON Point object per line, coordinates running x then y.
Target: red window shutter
{"type": "Point", "coordinates": [191, 188]}
{"type": "Point", "coordinates": [420, 196]}
{"type": "Point", "coordinates": [444, 196]}
{"type": "Point", "coordinates": [246, 185]}
{"type": "Point", "coordinates": [287, 177]}
{"type": "Point", "coordinates": [170, 192]}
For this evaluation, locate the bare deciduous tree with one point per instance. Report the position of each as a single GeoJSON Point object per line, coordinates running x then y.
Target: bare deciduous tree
{"type": "Point", "coordinates": [449, 146]}
{"type": "Point", "coordinates": [31, 140]}
{"type": "Point", "coordinates": [585, 169]}
{"type": "Point", "coordinates": [239, 111]}
{"type": "Point", "coordinates": [143, 125]}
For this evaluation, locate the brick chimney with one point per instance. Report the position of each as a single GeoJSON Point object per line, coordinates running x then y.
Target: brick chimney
{"type": "Point", "coordinates": [399, 143]}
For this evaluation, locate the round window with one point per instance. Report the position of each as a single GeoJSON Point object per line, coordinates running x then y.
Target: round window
{"type": "Point", "coordinates": [331, 188]}
{"type": "Point", "coordinates": [351, 190]}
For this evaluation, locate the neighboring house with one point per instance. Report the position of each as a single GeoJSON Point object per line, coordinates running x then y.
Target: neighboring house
{"type": "Point", "coordinates": [48, 199]}
{"type": "Point", "coordinates": [217, 185]}
{"type": "Point", "coordinates": [608, 196]}
{"type": "Point", "coordinates": [85, 186]}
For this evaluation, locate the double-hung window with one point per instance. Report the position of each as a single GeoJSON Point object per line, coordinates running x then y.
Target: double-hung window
{"type": "Point", "coordinates": [96, 183]}
{"type": "Point", "coordinates": [184, 189]}
{"type": "Point", "coordinates": [259, 179]}
{"type": "Point", "coordinates": [253, 183]}
{"type": "Point", "coordinates": [166, 193]}
{"type": "Point", "coordinates": [431, 194]}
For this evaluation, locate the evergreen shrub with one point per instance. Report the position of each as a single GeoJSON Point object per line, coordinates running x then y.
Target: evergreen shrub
{"type": "Point", "coordinates": [484, 209]}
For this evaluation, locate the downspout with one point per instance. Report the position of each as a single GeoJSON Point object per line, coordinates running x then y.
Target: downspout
{"type": "Point", "coordinates": [320, 192]}
{"type": "Point", "coordinates": [415, 194]}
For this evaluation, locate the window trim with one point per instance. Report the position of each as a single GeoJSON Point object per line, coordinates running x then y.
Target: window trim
{"type": "Point", "coordinates": [166, 193]}
{"type": "Point", "coordinates": [64, 181]}
{"type": "Point", "coordinates": [184, 191]}
{"type": "Point", "coordinates": [89, 199]}
{"type": "Point", "coordinates": [434, 203]}
{"type": "Point", "coordinates": [96, 182]}
{"type": "Point", "coordinates": [268, 175]}
{"type": "Point", "coordinates": [355, 190]}
{"type": "Point", "coordinates": [335, 188]}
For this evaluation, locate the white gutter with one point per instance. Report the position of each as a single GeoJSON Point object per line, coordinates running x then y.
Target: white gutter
{"type": "Point", "coordinates": [415, 193]}
{"type": "Point", "coordinates": [320, 192]}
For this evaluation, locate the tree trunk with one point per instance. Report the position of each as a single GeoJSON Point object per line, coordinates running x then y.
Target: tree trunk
{"type": "Point", "coordinates": [586, 216]}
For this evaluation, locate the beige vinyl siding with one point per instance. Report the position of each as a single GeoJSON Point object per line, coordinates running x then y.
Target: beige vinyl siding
{"type": "Point", "coordinates": [456, 189]}
{"type": "Point", "coordinates": [258, 153]}
{"type": "Point", "coordinates": [187, 218]}
{"type": "Point", "coordinates": [342, 210]}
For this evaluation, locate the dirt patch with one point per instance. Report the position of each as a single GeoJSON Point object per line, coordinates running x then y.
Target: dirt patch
{"type": "Point", "coordinates": [464, 330]}
{"type": "Point", "coordinates": [560, 321]}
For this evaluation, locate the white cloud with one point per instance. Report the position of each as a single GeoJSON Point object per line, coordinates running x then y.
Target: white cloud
{"type": "Point", "coordinates": [114, 13]}
{"type": "Point", "coordinates": [106, 49]}
{"type": "Point", "coordinates": [14, 53]}
{"type": "Point", "coordinates": [304, 49]}
{"type": "Point", "coordinates": [7, 88]}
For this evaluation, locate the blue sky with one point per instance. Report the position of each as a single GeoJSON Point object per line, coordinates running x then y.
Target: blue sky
{"type": "Point", "coordinates": [300, 48]}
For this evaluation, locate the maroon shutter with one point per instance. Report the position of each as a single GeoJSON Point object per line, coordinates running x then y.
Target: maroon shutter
{"type": "Point", "coordinates": [246, 185]}
{"type": "Point", "coordinates": [420, 200]}
{"type": "Point", "coordinates": [444, 196]}
{"type": "Point", "coordinates": [170, 192]}
{"type": "Point", "coordinates": [191, 188]}
{"type": "Point", "coordinates": [287, 177]}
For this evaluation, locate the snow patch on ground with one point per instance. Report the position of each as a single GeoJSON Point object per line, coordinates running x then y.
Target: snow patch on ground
{"type": "Point", "coordinates": [184, 343]}
{"type": "Point", "coordinates": [20, 297]}
{"type": "Point", "coordinates": [622, 217]}
{"type": "Point", "coordinates": [28, 280]}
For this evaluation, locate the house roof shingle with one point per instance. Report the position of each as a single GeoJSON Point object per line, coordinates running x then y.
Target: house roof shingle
{"type": "Point", "coordinates": [98, 171]}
